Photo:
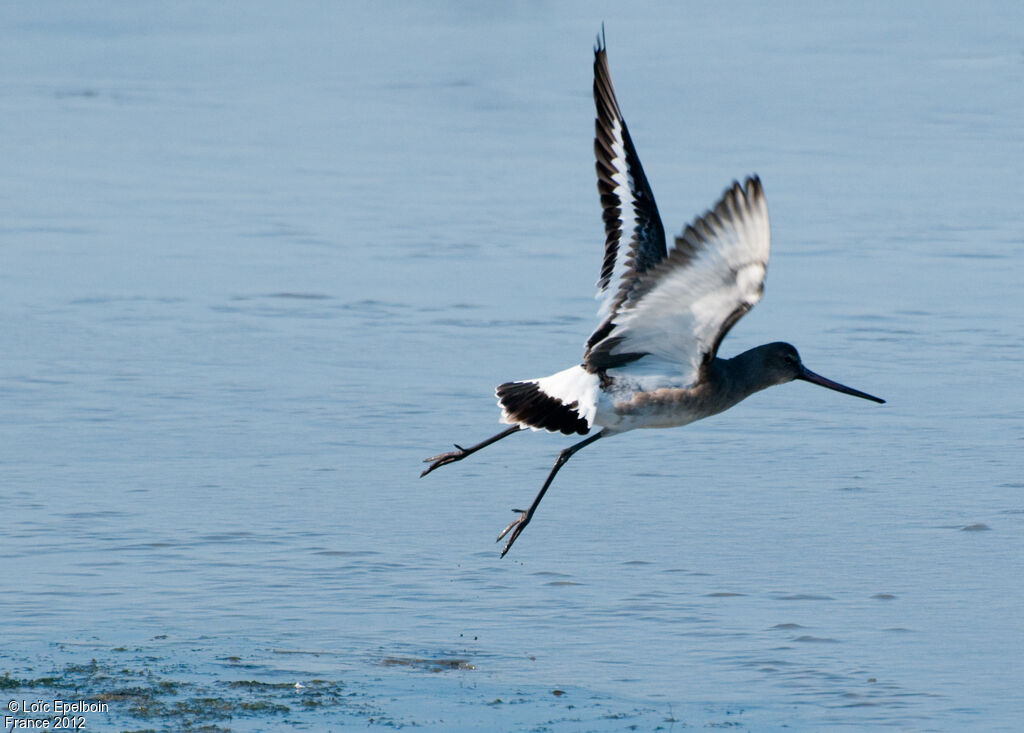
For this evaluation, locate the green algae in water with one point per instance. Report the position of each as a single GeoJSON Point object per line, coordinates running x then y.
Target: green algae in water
{"type": "Point", "coordinates": [430, 665]}
{"type": "Point", "coordinates": [146, 694]}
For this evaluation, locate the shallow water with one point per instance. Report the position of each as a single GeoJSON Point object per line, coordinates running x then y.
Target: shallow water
{"type": "Point", "coordinates": [257, 264]}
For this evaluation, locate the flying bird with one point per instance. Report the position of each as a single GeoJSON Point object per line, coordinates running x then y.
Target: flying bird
{"type": "Point", "coordinates": [652, 361]}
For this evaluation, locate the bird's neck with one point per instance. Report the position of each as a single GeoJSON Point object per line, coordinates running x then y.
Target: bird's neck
{"type": "Point", "coordinates": [742, 375]}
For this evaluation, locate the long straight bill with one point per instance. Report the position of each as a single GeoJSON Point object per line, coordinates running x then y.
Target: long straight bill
{"type": "Point", "coordinates": [808, 376]}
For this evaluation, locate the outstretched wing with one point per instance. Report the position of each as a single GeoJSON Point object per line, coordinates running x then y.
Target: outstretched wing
{"type": "Point", "coordinates": [634, 235]}
{"type": "Point", "coordinates": [680, 309]}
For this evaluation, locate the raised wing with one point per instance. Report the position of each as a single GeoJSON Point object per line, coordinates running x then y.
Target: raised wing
{"type": "Point", "coordinates": [680, 309]}
{"type": "Point", "coordinates": [634, 235]}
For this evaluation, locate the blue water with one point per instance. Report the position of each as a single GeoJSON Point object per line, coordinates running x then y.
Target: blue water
{"type": "Point", "coordinates": [258, 261]}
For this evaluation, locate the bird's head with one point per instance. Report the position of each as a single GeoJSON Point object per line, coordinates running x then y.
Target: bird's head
{"type": "Point", "coordinates": [780, 363]}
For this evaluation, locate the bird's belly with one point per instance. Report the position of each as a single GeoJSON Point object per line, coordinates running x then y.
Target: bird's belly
{"type": "Point", "coordinates": [661, 408]}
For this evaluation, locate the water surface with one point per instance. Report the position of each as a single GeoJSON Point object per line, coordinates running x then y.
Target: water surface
{"type": "Point", "coordinates": [257, 263]}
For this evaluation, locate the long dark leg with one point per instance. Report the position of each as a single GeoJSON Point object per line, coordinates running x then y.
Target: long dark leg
{"type": "Point", "coordinates": [444, 459]}
{"type": "Point", "coordinates": [518, 525]}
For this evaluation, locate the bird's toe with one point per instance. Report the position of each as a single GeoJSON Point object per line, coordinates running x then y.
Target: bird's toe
{"type": "Point", "coordinates": [516, 526]}
{"type": "Point", "coordinates": [443, 459]}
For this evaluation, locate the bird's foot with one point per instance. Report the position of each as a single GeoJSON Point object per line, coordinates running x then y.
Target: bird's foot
{"type": "Point", "coordinates": [443, 459]}
{"type": "Point", "coordinates": [516, 526]}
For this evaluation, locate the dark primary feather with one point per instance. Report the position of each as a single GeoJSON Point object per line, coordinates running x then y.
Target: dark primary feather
{"type": "Point", "coordinates": [645, 236]}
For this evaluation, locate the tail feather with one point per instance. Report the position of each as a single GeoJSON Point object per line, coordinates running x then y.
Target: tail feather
{"type": "Point", "coordinates": [562, 403]}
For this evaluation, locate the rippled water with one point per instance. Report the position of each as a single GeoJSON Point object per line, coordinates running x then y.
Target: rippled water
{"type": "Point", "coordinates": [257, 263]}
